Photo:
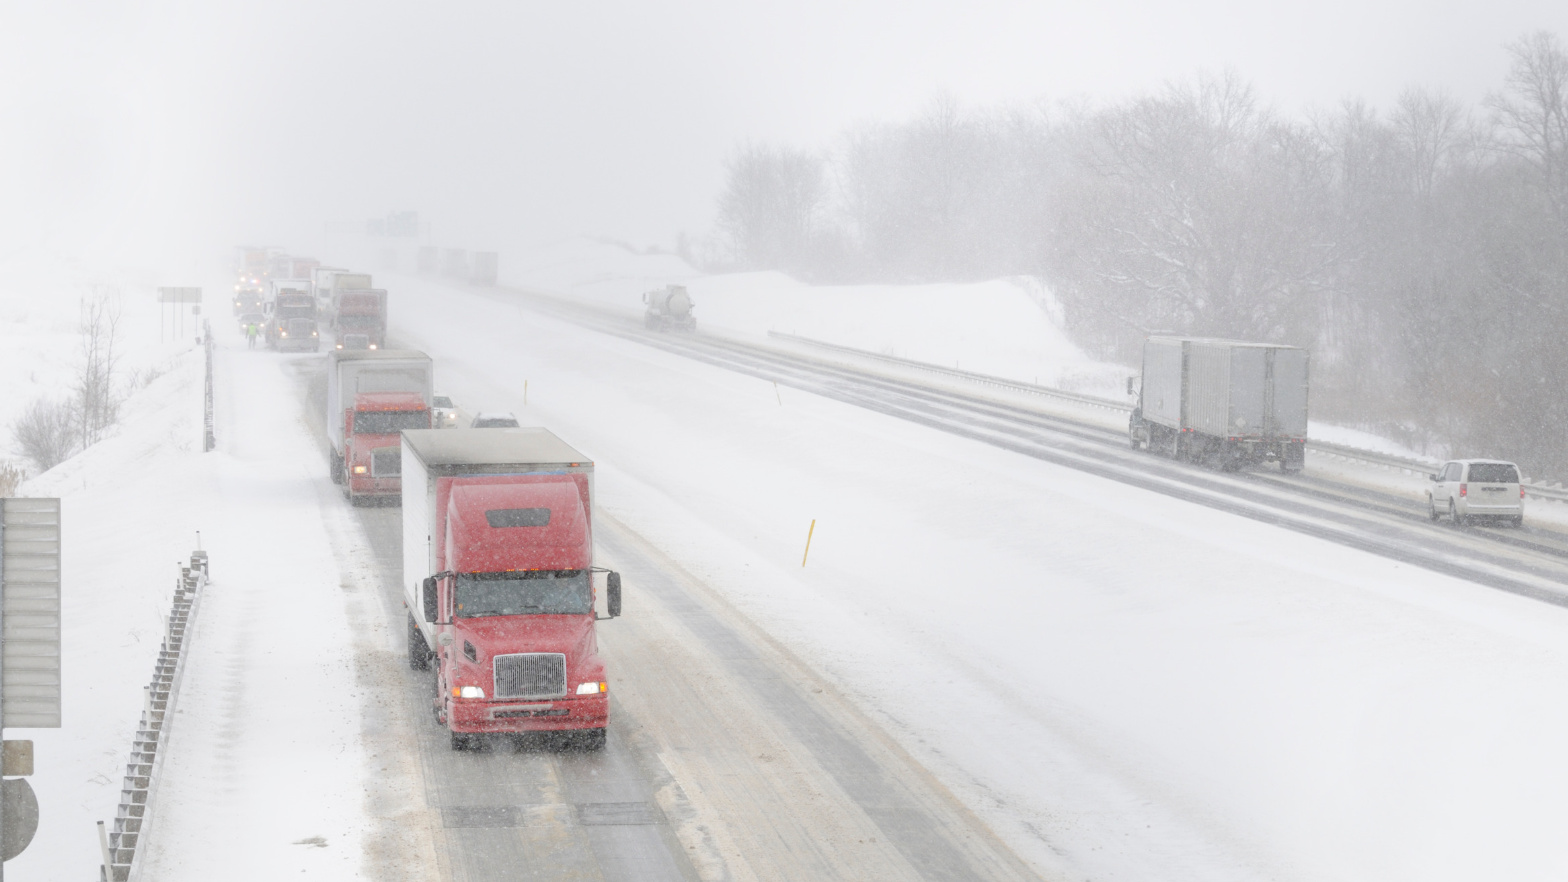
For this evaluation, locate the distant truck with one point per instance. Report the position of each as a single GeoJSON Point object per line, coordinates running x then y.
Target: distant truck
{"type": "Point", "coordinates": [321, 286]}
{"type": "Point", "coordinates": [372, 396]}
{"type": "Point", "coordinates": [361, 312]}
{"type": "Point", "coordinates": [291, 316]}
{"type": "Point", "coordinates": [343, 281]}
{"type": "Point", "coordinates": [669, 307]}
{"type": "Point", "coordinates": [498, 580]}
{"type": "Point", "coordinates": [248, 301]}
{"type": "Point", "coordinates": [302, 267]}
{"type": "Point", "coordinates": [1222, 402]}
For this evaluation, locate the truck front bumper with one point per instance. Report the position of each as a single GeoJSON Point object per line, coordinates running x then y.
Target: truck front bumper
{"type": "Point", "coordinates": [467, 715]}
{"type": "Point", "coordinates": [363, 486]}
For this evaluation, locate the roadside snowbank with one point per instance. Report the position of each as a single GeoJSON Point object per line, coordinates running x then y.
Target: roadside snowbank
{"type": "Point", "coordinates": [1005, 327]}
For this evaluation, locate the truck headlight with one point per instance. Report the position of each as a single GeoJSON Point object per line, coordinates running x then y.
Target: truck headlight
{"type": "Point", "coordinates": [468, 692]}
{"type": "Point", "coordinates": [593, 688]}
{"type": "Point", "coordinates": [360, 470]}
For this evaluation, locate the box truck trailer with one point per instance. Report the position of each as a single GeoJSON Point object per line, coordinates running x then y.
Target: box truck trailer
{"type": "Point", "coordinates": [498, 579]}
{"type": "Point", "coordinates": [1222, 402]}
{"type": "Point", "coordinates": [372, 396]}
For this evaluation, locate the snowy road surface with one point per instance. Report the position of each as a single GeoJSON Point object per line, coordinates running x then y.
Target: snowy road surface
{"type": "Point", "coordinates": [1119, 684]}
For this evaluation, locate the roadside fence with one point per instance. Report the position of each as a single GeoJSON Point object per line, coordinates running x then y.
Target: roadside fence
{"type": "Point", "coordinates": [119, 845]}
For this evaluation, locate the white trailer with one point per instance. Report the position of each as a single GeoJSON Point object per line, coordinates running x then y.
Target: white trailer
{"type": "Point", "coordinates": [352, 372]}
{"type": "Point", "coordinates": [1227, 402]}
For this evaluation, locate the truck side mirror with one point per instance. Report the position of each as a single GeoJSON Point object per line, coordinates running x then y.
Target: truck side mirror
{"type": "Point", "coordinates": [429, 598]}
{"type": "Point", "coordinates": [613, 593]}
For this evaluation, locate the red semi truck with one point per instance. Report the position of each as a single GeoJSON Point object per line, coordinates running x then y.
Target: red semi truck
{"type": "Point", "coordinates": [361, 312]}
{"type": "Point", "coordinates": [372, 396]}
{"type": "Point", "coordinates": [498, 580]}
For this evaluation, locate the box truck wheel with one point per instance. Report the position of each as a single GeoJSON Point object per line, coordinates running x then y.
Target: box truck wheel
{"type": "Point", "coordinates": [418, 649]}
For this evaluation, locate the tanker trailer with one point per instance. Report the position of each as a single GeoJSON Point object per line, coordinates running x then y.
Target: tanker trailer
{"type": "Point", "coordinates": [669, 307]}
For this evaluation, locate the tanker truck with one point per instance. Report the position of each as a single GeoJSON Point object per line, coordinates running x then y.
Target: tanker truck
{"type": "Point", "coordinates": [498, 583]}
{"type": "Point", "coordinates": [669, 307]}
{"type": "Point", "coordinates": [1222, 402]}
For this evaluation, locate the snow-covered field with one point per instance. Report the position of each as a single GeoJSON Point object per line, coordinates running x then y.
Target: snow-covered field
{"type": "Point", "coordinates": [1124, 686]}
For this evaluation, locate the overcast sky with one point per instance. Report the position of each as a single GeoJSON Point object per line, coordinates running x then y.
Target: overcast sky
{"type": "Point", "coordinates": [164, 128]}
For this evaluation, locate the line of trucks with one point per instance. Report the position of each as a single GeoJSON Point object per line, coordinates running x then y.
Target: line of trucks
{"type": "Point", "coordinates": [296, 299]}
{"type": "Point", "coordinates": [498, 572]}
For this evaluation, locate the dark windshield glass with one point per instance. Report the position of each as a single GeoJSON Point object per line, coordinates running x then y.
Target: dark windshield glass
{"type": "Point", "coordinates": [534, 592]}
{"type": "Point", "coordinates": [1493, 473]}
{"type": "Point", "coordinates": [389, 422]}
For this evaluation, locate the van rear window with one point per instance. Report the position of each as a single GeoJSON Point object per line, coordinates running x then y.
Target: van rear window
{"type": "Point", "coordinates": [1493, 473]}
{"type": "Point", "coordinates": [518, 517]}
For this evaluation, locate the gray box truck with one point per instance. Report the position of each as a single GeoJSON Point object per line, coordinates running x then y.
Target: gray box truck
{"type": "Point", "coordinates": [1226, 403]}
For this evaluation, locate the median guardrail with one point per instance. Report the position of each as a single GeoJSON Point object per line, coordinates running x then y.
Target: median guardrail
{"type": "Point", "coordinates": [1411, 465]}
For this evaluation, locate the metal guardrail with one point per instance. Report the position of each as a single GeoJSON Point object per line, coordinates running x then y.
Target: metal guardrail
{"type": "Point", "coordinates": [120, 846]}
{"type": "Point", "coordinates": [970, 376]}
{"type": "Point", "coordinates": [1413, 465]}
{"type": "Point", "coordinates": [209, 440]}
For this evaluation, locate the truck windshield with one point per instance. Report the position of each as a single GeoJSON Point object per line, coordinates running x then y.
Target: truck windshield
{"type": "Point", "coordinates": [389, 422]}
{"type": "Point", "coordinates": [532, 592]}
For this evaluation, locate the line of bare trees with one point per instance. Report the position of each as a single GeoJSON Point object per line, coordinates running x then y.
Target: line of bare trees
{"type": "Point", "coordinates": [1421, 251]}
{"type": "Point", "coordinates": [52, 429]}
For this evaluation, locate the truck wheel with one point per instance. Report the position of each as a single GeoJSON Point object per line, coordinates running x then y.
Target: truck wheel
{"type": "Point", "coordinates": [418, 649]}
{"type": "Point", "coordinates": [461, 741]}
{"type": "Point", "coordinates": [335, 466]}
{"type": "Point", "coordinates": [591, 739]}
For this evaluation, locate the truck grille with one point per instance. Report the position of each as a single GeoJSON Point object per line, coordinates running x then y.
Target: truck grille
{"type": "Point", "coordinates": [530, 675]}
{"type": "Point", "coordinates": [386, 462]}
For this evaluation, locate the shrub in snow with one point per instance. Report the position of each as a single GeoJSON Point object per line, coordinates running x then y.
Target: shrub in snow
{"type": "Point", "coordinates": [46, 432]}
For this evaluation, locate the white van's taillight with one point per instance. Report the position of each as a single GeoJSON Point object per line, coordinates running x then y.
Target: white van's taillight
{"type": "Point", "coordinates": [1464, 489]}
{"type": "Point", "coordinates": [1521, 491]}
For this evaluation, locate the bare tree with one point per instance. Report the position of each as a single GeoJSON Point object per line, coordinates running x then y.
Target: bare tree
{"type": "Point", "coordinates": [772, 205]}
{"type": "Point", "coordinates": [95, 394]}
{"type": "Point", "coordinates": [1533, 112]}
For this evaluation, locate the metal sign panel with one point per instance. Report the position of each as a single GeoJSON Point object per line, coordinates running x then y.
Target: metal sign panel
{"type": "Point", "coordinates": [179, 295]}
{"type": "Point", "coordinates": [30, 613]}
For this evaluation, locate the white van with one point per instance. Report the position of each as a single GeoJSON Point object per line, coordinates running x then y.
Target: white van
{"type": "Point", "coordinates": [1476, 488]}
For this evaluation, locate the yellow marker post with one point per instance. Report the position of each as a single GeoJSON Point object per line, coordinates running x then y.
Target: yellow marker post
{"type": "Point", "coordinates": [525, 393]}
{"type": "Point", "coordinates": [808, 542]}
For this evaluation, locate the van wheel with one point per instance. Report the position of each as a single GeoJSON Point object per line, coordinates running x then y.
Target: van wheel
{"type": "Point", "coordinates": [418, 649]}
{"type": "Point", "coordinates": [1518, 522]}
{"type": "Point", "coordinates": [1453, 515]}
{"type": "Point", "coordinates": [1431, 507]}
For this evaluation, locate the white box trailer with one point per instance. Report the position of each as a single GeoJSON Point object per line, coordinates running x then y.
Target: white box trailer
{"type": "Point", "coordinates": [432, 454]}
{"type": "Point", "coordinates": [351, 372]}
{"type": "Point", "coordinates": [1223, 401]}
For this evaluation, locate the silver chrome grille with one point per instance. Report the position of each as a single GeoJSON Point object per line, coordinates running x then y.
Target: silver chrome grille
{"type": "Point", "coordinates": [531, 675]}
{"type": "Point", "coordinates": [386, 462]}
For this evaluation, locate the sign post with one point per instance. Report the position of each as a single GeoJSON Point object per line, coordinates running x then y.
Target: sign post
{"type": "Point", "coordinates": [29, 653]}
